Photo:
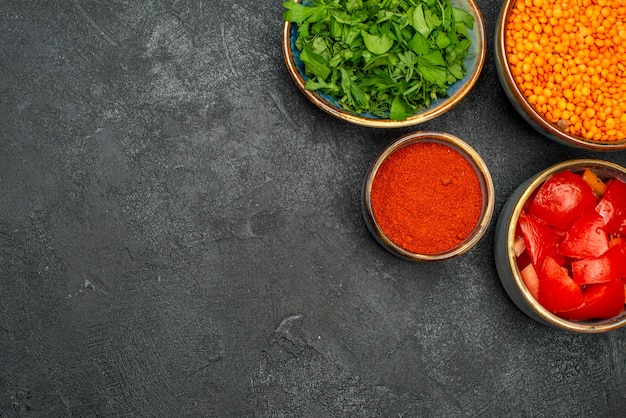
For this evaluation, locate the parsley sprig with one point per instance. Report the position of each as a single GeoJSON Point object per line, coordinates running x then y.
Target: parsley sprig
{"type": "Point", "coordinates": [389, 58]}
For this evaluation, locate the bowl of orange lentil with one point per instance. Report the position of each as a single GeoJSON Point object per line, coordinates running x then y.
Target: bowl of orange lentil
{"type": "Point", "coordinates": [562, 64]}
{"type": "Point", "coordinates": [542, 219]}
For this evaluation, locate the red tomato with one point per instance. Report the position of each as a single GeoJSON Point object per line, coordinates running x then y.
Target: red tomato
{"type": "Point", "coordinates": [540, 239]}
{"type": "Point", "coordinates": [562, 199]}
{"type": "Point", "coordinates": [622, 229]}
{"type": "Point", "coordinates": [600, 301]}
{"type": "Point", "coordinates": [608, 267]}
{"type": "Point", "coordinates": [557, 291]}
{"type": "Point", "coordinates": [531, 280]}
{"type": "Point", "coordinates": [612, 206]}
{"type": "Point", "coordinates": [586, 238]}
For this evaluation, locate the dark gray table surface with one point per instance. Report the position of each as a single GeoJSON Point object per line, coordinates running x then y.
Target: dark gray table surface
{"type": "Point", "coordinates": [181, 236]}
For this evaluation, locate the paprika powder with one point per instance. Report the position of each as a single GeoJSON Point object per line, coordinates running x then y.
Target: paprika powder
{"type": "Point", "coordinates": [426, 197]}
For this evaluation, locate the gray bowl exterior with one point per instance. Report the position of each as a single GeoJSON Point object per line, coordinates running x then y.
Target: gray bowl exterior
{"type": "Point", "coordinates": [501, 248]}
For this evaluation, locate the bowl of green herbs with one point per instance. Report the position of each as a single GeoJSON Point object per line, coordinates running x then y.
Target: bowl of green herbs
{"type": "Point", "coordinates": [384, 63]}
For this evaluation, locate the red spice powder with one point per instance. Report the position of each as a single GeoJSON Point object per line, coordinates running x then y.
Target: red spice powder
{"type": "Point", "coordinates": [426, 197]}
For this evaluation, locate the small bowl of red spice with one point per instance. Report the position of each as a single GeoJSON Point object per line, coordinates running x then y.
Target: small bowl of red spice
{"type": "Point", "coordinates": [560, 246]}
{"type": "Point", "coordinates": [560, 64]}
{"type": "Point", "coordinates": [428, 196]}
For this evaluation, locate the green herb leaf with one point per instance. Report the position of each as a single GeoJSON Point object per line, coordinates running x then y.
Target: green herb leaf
{"type": "Point", "coordinates": [418, 21]}
{"type": "Point", "coordinates": [315, 63]}
{"type": "Point", "coordinates": [419, 44]}
{"type": "Point", "coordinates": [441, 39]}
{"type": "Point", "coordinates": [336, 28]}
{"type": "Point", "coordinates": [353, 4]}
{"type": "Point", "coordinates": [462, 16]}
{"type": "Point", "coordinates": [432, 67]}
{"type": "Point", "coordinates": [400, 109]}
{"type": "Point", "coordinates": [297, 13]}
{"type": "Point", "coordinates": [328, 88]}
{"type": "Point", "coordinates": [376, 44]}
{"type": "Point", "coordinates": [353, 94]}
{"type": "Point", "coordinates": [432, 20]}
{"type": "Point", "coordinates": [457, 71]}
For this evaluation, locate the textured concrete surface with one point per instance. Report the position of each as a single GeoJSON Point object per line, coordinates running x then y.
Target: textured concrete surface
{"type": "Point", "coordinates": [181, 236]}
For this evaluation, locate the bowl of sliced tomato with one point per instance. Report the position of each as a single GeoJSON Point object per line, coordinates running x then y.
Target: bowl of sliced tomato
{"type": "Point", "coordinates": [560, 246]}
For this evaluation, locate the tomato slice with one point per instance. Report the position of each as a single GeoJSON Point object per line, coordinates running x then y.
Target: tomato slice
{"type": "Point", "coordinates": [519, 246]}
{"type": "Point", "coordinates": [531, 280]}
{"type": "Point", "coordinates": [586, 238]}
{"type": "Point", "coordinates": [608, 267]}
{"type": "Point", "coordinates": [612, 206]}
{"type": "Point", "coordinates": [557, 291]}
{"type": "Point", "coordinates": [622, 229]}
{"type": "Point", "coordinates": [562, 199]}
{"type": "Point", "coordinates": [540, 239]}
{"type": "Point", "coordinates": [600, 301]}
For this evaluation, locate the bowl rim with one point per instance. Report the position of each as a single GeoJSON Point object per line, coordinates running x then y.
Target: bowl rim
{"type": "Point", "coordinates": [420, 117]}
{"type": "Point", "coordinates": [517, 97]}
{"type": "Point", "coordinates": [482, 172]}
{"type": "Point", "coordinates": [528, 189]}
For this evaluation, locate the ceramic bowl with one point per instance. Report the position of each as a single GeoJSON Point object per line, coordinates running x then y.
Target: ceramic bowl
{"type": "Point", "coordinates": [474, 63]}
{"type": "Point", "coordinates": [519, 101]}
{"type": "Point", "coordinates": [486, 190]}
{"type": "Point", "coordinates": [504, 251]}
